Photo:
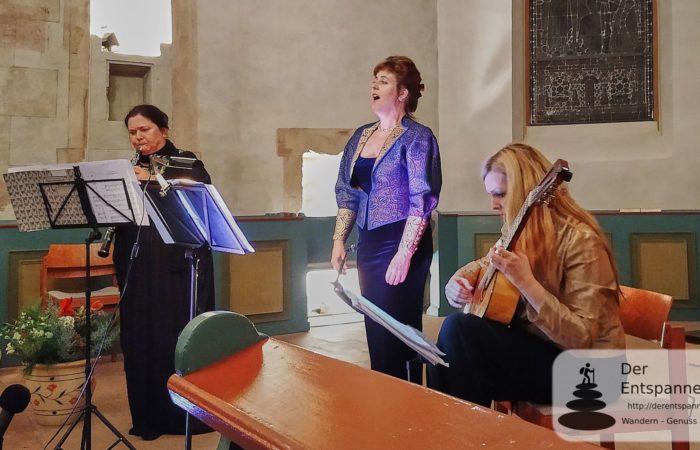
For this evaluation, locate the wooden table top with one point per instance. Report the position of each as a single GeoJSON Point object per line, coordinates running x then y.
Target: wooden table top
{"type": "Point", "coordinates": [277, 395]}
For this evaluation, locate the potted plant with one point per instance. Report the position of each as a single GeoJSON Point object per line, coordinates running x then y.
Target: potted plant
{"type": "Point", "coordinates": [50, 342]}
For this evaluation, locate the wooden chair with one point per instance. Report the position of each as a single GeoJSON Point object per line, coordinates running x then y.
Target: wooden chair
{"type": "Point", "coordinates": [644, 315]}
{"type": "Point", "coordinates": [64, 266]}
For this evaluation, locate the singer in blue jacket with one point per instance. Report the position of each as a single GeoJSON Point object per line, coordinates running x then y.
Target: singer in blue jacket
{"type": "Point", "coordinates": [388, 184]}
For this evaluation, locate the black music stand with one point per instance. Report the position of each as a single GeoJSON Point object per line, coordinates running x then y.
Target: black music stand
{"type": "Point", "coordinates": [193, 215]}
{"type": "Point", "coordinates": [63, 215]}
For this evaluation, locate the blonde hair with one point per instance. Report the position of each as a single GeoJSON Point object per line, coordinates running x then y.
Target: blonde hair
{"type": "Point", "coordinates": [524, 167]}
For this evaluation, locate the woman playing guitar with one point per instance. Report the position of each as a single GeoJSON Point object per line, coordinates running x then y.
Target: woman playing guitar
{"type": "Point", "coordinates": [554, 261]}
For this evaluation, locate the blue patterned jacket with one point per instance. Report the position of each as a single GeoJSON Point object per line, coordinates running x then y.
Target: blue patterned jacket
{"type": "Point", "coordinates": [406, 179]}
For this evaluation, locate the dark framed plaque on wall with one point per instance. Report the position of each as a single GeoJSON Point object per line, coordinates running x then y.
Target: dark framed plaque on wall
{"type": "Point", "coordinates": [590, 61]}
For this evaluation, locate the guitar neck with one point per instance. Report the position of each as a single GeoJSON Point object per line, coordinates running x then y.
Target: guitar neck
{"type": "Point", "coordinates": [516, 227]}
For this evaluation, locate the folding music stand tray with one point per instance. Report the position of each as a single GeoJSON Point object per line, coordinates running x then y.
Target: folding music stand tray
{"type": "Point", "coordinates": [193, 215]}
{"type": "Point", "coordinates": [69, 204]}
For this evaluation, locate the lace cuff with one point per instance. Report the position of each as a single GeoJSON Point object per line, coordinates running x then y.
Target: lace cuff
{"type": "Point", "coordinates": [344, 221]}
{"type": "Point", "coordinates": [412, 234]}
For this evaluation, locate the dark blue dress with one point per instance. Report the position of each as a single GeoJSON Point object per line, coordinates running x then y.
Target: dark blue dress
{"type": "Point", "coordinates": [404, 301]}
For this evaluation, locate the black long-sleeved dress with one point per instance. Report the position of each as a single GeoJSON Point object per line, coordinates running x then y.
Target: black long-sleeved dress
{"type": "Point", "coordinates": [154, 310]}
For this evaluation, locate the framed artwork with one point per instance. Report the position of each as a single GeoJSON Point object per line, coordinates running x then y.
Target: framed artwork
{"type": "Point", "coordinates": [590, 61]}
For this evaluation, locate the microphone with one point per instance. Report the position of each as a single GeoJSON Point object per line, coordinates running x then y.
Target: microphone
{"type": "Point", "coordinates": [108, 237]}
{"type": "Point", "coordinates": [160, 163]}
{"type": "Point", "coordinates": [103, 252]}
{"type": "Point", "coordinates": [13, 400]}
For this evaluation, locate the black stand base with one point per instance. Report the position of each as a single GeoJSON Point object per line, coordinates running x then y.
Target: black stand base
{"type": "Point", "coordinates": [87, 411]}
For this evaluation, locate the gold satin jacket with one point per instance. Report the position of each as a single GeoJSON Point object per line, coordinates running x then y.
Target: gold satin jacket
{"type": "Point", "coordinates": [581, 306]}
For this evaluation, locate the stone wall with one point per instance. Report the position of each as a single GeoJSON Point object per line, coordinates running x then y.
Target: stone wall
{"type": "Point", "coordinates": [56, 102]}
{"type": "Point", "coordinates": [118, 83]}
{"type": "Point", "coordinates": [238, 72]}
{"type": "Point", "coordinates": [43, 83]}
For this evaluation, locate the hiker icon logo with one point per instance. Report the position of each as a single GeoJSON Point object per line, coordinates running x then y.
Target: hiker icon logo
{"type": "Point", "coordinates": [586, 407]}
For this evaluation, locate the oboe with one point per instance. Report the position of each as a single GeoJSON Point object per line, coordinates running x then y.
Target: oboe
{"type": "Point", "coordinates": [103, 252]}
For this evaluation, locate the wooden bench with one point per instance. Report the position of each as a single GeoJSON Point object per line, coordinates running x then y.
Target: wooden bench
{"type": "Point", "coordinates": [261, 393]}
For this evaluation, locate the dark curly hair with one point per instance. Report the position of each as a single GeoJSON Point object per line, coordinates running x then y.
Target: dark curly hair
{"type": "Point", "coordinates": [407, 76]}
{"type": "Point", "coordinates": [150, 112]}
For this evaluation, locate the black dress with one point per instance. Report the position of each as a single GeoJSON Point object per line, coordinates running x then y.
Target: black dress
{"type": "Point", "coordinates": [404, 302]}
{"type": "Point", "coordinates": [154, 310]}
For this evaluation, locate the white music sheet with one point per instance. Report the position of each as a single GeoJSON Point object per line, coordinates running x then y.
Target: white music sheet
{"type": "Point", "coordinates": [25, 184]}
{"type": "Point", "coordinates": [110, 174]}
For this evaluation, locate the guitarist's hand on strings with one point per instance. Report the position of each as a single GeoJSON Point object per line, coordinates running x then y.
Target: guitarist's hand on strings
{"type": "Point", "coordinates": [459, 291]}
{"type": "Point", "coordinates": [515, 266]}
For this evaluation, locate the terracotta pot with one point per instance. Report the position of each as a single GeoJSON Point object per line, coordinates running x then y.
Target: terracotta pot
{"type": "Point", "coordinates": [55, 389]}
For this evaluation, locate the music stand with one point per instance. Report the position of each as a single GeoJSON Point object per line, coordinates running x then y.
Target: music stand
{"type": "Point", "coordinates": [413, 338]}
{"type": "Point", "coordinates": [193, 215]}
{"type": "Point", "coordinates": [71, 203]}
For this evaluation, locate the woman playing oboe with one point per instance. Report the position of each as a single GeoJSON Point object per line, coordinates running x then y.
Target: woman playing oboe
{"type": "Point", "coordinates": [155, 305]}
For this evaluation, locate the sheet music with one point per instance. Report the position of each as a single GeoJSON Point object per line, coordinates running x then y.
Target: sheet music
{"type": "Point", "coordinates": [55, 169]}
{"type": "Point", "coordinates": [111, 189]}
{"type": "Point", "coordinates": [240, 239]}
{"type": "Point", "coordinates": [406, 333]}
{"type": "Point", "coordinates": [193, 214]}
{"type": "Point", "coordinates": [34, 212]}
{"type": "Point", "coordinates": [27, 202]}
{"type": "Point", "coordinates": [196, 216]}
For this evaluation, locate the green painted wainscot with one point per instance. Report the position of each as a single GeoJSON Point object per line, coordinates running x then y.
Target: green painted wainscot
{"type": "Point", "coordinates": [294, 242]}
{"type": "Point", "coordinates": [654, 250]}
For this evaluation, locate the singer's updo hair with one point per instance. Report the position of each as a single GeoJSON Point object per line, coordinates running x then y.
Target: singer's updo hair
{"type": "Point", "coordinates": [150, 112]}
{"type": "Point", "coordinates": [407, 76]}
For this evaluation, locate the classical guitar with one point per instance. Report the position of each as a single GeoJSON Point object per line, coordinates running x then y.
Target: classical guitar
{"type": "Point", "coordinates": [495, 297]}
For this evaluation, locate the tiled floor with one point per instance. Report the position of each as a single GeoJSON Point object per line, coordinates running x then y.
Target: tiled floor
{"type": "Point", "coordinates": [344, 341]}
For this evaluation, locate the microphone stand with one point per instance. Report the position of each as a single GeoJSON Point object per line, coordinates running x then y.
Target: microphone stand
{"type": "Point", "coordinates": [159, 164]}
{"type": "Point", "coordinates": [193, 259]}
